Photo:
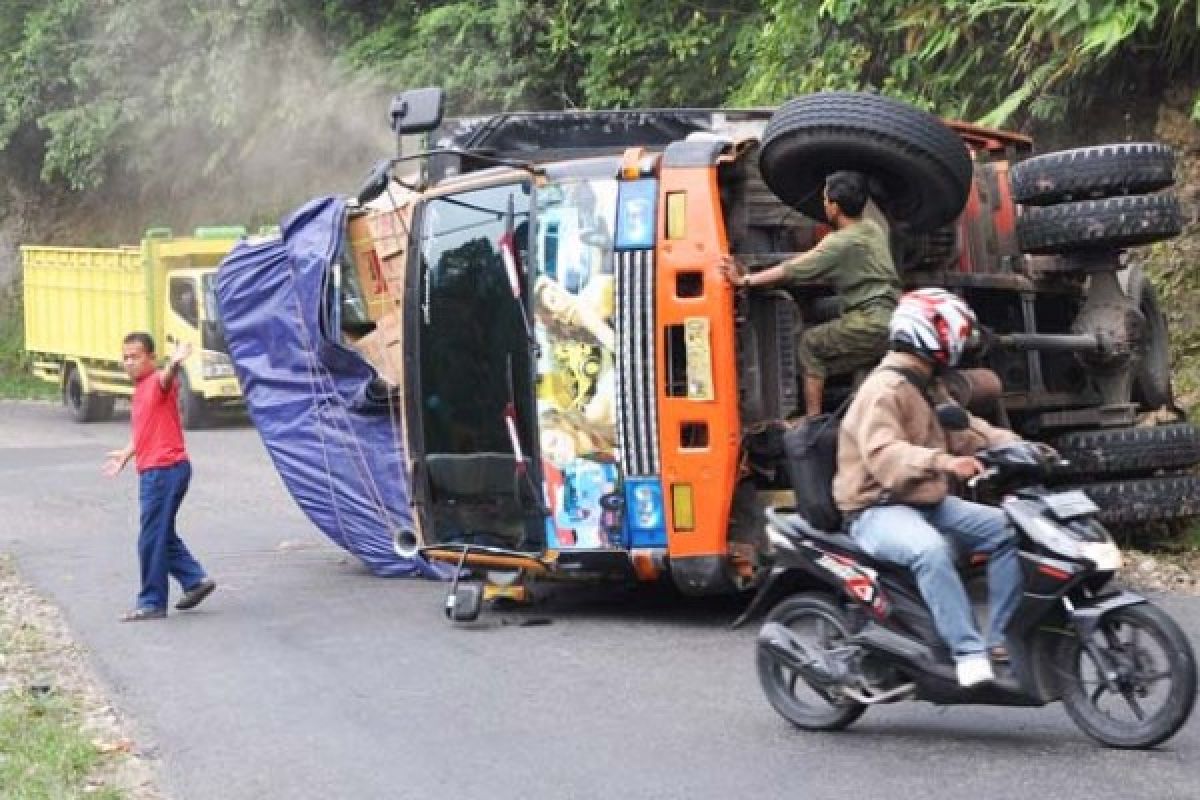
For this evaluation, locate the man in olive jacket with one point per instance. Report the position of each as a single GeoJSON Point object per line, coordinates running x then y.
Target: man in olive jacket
{"type": "Point", "coordinates": [856, 259]}
{"type": "Point", "coordinates": [893, 480]}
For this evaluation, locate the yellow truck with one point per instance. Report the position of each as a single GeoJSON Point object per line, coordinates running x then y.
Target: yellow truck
{"type": "Point", "coordinates": [80, 302]}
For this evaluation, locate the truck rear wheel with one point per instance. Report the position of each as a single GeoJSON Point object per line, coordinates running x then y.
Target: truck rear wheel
{"type": "Point", "coordinates": [920, 170]}
{"type": "Point", "coordinates": [85, 406]}
{"type": "Point", "coordinates": [1147, 500]}
{"type": "Point", "coordinates": [1108, 224]}
{"type": "Point", "coordinates": [1127, 451]}
{"type": "Point", "coordinates": [1093, 172]}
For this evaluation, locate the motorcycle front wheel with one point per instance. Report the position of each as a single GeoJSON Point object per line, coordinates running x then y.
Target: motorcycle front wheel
{"type": "Point", "coordinates": [1150, 686]}
{"type": "Point", "coordinates": [820, 625]}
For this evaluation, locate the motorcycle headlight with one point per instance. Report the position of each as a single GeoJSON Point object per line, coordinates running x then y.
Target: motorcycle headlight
{"type": "Point", "coordinates": [1105, 555]}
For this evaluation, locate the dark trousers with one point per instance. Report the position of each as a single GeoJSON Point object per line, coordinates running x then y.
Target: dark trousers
{"type": "Point", "coordinates": [160, 550]}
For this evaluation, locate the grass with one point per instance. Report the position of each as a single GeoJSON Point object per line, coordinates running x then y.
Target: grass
{"type": "Point", "coordinates": [16, 382]}
{"type": "Point", "coordinates": [45, 753]}
{"type": "Point", "coordinates": [43, 756]}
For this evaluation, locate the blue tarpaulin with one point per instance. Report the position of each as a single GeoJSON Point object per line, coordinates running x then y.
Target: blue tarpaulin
{"type": "Point", "coordinates": [318, 405]}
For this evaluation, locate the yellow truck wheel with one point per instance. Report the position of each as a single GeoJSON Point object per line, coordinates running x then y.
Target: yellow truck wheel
{"type": "Point", "coordinates": [85, 406]}
{"type": "Point", "coordinates": [193, 410]}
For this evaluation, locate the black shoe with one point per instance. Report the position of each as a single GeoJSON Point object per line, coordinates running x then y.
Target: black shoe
{"type": "Point", "coordinates": [195, 596]}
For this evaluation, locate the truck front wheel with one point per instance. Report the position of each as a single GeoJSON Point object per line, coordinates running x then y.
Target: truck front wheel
{"type": "Point", "coordinates": [1153, 380]}
{"type": "Point", "coordinates": [85, 406]}
{"type": "Point", "coordinates": [193, 410]}
{"type": "Point", "coordinates": [1088, 173]}
{"type": "Point", "coordinates": [1136, 502]}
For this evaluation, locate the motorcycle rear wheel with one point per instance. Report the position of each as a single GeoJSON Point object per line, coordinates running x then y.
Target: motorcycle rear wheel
{"type": "Point", "coordinates": [1153, 660]}
{"type": "Point", "coordinates": [823, 625]}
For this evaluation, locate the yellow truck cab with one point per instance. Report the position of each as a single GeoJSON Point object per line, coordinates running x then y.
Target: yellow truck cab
{"type": "Point", "coordinates": [81, 302]}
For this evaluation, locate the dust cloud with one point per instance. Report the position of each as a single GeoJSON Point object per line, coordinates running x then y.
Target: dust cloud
{"type": "Point", "coordinates": [225, 127]}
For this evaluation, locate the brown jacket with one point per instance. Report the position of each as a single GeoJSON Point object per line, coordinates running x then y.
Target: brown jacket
{"type": "Point", "coordinates": [891, 445]}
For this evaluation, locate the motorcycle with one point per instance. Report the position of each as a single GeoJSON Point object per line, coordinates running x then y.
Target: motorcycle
{"type": "Point", "coordinates": [853, 632]}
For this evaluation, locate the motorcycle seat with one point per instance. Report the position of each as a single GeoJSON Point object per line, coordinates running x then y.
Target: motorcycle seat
{"type": "Point", "coordinates": [794, 526]}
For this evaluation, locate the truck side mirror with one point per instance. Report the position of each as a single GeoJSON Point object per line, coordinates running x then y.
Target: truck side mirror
{"type": "Point", "coordinates": [417, 111]}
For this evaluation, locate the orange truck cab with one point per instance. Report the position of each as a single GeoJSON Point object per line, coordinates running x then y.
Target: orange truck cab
{"type": "Point", "coordinates": [586, 396]}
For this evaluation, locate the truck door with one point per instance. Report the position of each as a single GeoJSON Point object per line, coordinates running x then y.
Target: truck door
{"type": "Point", "coordinates": [182, 321]}
{"type": "Point", "coordinates": [474, 387]}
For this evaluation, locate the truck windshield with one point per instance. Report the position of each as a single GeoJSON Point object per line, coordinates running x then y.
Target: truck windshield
{"type": "Point", "coordinates": [476, 371]}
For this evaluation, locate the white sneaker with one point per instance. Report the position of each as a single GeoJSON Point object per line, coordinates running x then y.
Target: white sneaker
{"type": "Point", "coordinates": [973, 670]}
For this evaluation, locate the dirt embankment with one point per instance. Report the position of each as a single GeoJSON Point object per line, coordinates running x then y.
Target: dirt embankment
{"type": "Point", "coordinates": [1175, 265]}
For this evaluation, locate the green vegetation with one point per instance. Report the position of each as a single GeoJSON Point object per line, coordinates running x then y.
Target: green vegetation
{"type": "Point", "coordinates": [16, 382]}
{"type": "Point", "coordinates": [43, 755]}
{"type": "Point", "coordinates": [89, 89]}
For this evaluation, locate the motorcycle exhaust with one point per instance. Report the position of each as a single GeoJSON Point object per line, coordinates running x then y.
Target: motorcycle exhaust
{"type": "Point", "coordinates": [878, 638]}
{"type": "Point", "coordinates": [913, 653]}
{"type": "Point", "coordinates": [782, 645]}
{"type": "Point", "coordinates": [405, 543]}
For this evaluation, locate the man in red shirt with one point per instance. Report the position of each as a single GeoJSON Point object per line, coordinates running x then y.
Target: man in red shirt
{"type": "Point", "coordinates": [163, 476]}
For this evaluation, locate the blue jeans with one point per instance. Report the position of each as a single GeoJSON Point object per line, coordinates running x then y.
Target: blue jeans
{"type": "Point", "coordinates": [160, 550]}
{"type": "Point", "coordinates": [917, 538]}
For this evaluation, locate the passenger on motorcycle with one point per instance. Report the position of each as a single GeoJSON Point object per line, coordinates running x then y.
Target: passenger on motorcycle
{"type": "Point", "coordinates": [893, 480]}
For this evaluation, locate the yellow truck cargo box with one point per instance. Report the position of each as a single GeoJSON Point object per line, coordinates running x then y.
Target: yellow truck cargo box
{"type": "Point", "coordinates": [82, 302]}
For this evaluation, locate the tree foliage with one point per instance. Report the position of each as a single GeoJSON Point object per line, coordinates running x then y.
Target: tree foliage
{"type": "Point", "coordinates": [102, 91]}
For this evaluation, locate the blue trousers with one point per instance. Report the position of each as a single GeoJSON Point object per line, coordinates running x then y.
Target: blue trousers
{"type": "Point", "coordinates": [917, 538]}
{"type": "Point", "coordinates": [160, 550]}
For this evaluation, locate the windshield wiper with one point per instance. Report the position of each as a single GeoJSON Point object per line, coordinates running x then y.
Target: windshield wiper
{"type": "Point", "coordinates": [512, 423]}
{"type": "Point", "coordinates": [508, 254]}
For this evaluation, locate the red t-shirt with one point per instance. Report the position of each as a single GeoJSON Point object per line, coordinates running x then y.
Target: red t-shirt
{"type": "Point", "coordinates": [157, 431]}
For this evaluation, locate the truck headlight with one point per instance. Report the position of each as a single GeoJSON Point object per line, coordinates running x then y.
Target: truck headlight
{"type": "Point", "coordinates": [216, 365]}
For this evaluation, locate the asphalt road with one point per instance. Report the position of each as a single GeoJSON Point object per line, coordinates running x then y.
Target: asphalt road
{"type": "Point", "coordinates": [305, 677]}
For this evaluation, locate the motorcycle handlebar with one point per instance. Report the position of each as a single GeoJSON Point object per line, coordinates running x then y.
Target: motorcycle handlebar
{"type": "Point", "coordinates": [987, 474]}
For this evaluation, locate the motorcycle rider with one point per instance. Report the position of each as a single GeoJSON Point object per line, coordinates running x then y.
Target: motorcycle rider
{"type": "Point", "coordinates": [892, 482]}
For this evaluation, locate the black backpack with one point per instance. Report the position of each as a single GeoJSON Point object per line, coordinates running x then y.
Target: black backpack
{"type": "Point", "coordinates": [811, 450]}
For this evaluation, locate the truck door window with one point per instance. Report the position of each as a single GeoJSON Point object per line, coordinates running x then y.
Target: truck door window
{"type": "Point", "coordinates": [183, 300]}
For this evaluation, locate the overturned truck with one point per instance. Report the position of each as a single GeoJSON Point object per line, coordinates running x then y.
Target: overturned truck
{"type": "Point", "coordinates": [576, 390]}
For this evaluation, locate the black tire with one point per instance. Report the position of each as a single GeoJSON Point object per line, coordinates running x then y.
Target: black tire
{"type": "Point", "coordinates": [193, 411]}
{"type": "Point", "coordinates": [1152, 383]}
{"type": "Point", "coordinates": [1093, 172]}
{"type": "Point", "coordinates": [1135, 665]}
{"type": "Point", "coordinates": [919, 169]}
{"type": "Point", "coordinates": [1146, 500]}
{"type": "Point", "coordinates": [1109, 224]}
{"type": "Point", "coordinates": [1128, 451]}
{"type": "Point", "coordinates": [779, 685]}
{"type": "Point", "coordinates": [84, 406]}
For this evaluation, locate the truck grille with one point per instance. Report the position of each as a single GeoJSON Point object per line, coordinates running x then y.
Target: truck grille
{"type": "Point", "coordinates": [637, 421]}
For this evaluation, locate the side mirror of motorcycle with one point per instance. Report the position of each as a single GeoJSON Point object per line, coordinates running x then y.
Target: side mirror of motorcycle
{"type": "Point", "coordinates": [952, 417]}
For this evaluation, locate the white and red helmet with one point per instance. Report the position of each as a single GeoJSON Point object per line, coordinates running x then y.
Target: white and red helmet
{"type": "Point", "coordinates": [933, 323]}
